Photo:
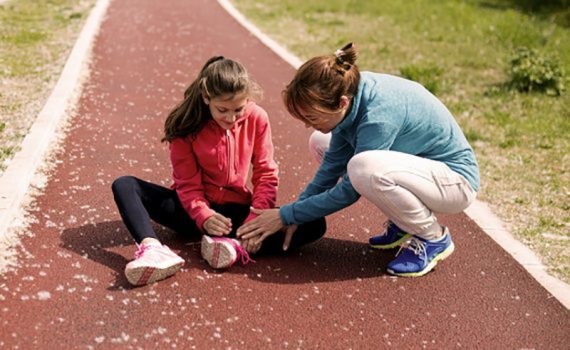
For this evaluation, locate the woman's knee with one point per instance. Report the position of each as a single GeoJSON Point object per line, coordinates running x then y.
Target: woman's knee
{"type": "Point", "coordinates": [361, 168]}
{"type": "Point", "coordinates": [318, 145]}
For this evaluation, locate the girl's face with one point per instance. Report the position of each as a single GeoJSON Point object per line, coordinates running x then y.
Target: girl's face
{"type": "Point", "coordinates": [226, 109]}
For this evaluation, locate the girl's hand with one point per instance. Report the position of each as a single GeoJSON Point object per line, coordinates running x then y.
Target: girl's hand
{"type": "Point", "coordinates": [267, 223]}
{"type": "Point", "coordinates": [218, 225]}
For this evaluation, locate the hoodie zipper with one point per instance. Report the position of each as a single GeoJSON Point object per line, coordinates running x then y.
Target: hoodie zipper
{"type": "Point", "coordinates": [230, 161]}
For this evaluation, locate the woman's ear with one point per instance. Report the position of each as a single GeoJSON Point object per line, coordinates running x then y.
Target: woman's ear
{"type": "Point", "coordinates": [344, 102]}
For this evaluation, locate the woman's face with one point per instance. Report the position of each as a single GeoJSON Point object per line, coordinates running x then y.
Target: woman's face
{"type": "Point", "coordinates": [325, 122]}
{"type": "Point", "coordinates": [226, 109]}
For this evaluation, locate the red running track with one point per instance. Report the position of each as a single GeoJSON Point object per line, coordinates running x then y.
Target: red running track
{"type": "Point", "coordinates": [70, 291]}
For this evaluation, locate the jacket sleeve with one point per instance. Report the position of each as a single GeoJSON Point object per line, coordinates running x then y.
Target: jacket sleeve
{"type": "Point", "coordinates": [264, 168]}
{"type": "Point", "coordinates": [320, 205]}
{"type": "Point", "coordinates": [325, 194]}
{"type": "Point", "coordinates": [331, 169]}
{"type": "Point", "coordinates": [187, 177]}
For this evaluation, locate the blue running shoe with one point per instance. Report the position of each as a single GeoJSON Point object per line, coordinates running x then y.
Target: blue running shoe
{"type": "Point", "coordinates": [421, 256]}
{"type": "Point", "coordinates": [391, 238]}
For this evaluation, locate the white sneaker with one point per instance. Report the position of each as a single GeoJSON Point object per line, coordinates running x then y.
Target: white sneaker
{"type": "Point", "coordinates": [153, 262]}
{"type": "Point", "coordinates": [223, 252]}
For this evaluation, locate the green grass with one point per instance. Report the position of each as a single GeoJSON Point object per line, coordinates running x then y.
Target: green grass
{"type": "Point", "coordinates": [28, 33]}
{"type": "Point", "coordinates": [428, 76]}
{"type": "Point", "coordinates": [35, 39]}
{"type": "Point", "coordinates": [462, 50]}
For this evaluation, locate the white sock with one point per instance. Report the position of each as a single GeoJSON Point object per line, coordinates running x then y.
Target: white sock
{"type": "Point", "coordinates": [153, 243]}
{"type": "Point", "coordinates": [441, 238]}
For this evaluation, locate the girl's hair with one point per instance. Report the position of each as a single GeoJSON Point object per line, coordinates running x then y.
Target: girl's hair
{"type": "Point", "coordinates": [320, 83]}
{"type": "Point", "coordinates": [219, 76]}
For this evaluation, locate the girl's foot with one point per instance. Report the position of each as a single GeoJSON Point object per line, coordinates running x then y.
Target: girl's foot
{"type": "Point", "coordinates": [223, 252]}
{"type": "Point", "coordinates": [153, 262]}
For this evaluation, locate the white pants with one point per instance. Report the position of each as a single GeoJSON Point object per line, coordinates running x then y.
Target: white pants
{"type": "Point", "coordinates": [406, 188]}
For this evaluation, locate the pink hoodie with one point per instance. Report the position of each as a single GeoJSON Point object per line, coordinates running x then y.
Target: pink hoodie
{"type": "Point", "coordinates": [214, 166]}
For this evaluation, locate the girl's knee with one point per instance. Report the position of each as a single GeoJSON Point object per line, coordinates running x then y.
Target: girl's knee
{"type": "Point", "coordinates": [122, 183]}
{"type": "Point", "coordinates": [318, 227]}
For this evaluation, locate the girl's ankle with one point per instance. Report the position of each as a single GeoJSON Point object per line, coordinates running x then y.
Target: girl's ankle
{"type": "Point", "coordinates": [151, 241]}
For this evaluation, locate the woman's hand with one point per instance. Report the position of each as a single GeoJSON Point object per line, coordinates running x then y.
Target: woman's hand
{"type": "Point", "coordinates": [217, 225]}
{"type": "Point", "coordinates": [267, 223]}
{"type": "Point", "coordinates": [250, 245]}
{"type": "Point", "coordinates": [289, 231]}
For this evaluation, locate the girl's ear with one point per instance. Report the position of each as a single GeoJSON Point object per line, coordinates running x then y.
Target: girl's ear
{"type": "Point", "coordinates": [206, 99]}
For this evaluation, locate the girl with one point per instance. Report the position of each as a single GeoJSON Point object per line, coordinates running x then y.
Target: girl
{"type": "Point", "coordinates": [215, 134]}
{"type": "Point", "coordinates": [389, 140]}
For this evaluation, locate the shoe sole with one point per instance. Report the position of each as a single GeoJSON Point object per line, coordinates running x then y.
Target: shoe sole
{"type": "Point", "coordinates": [447, 252]}
{"type": "Point", "coordinates": [219, 255]}
{"type": "Point", "coordinates": [142, 275]}
{"type": "Point", "coordinates": [393, 244]}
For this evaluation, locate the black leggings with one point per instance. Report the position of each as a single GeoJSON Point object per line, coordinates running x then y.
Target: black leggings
{"type": "Point", "coordinates": [140, 201]}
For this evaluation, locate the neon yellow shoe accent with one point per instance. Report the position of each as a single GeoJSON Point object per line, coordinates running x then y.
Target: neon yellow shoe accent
{"type": "Point", "coordinates": [392, 237]}
{"type": "Point", "coordinates": [393, 244]}
{"type": "Point", "coordinates": [439, 257]}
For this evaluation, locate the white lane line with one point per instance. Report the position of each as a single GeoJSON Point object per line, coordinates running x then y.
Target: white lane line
{"type": "Point", "coordinates": [16, 179]}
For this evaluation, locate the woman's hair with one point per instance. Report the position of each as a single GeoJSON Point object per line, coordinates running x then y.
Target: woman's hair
{"type": "Point", "coordinates": [219, 76]}
{"type": "Point", "coordinates": [320, 83]}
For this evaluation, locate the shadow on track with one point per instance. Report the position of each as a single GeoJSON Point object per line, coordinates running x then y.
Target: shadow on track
{"type": "Point", "coordinates": [111, 245]}
{"type": "Point", "coordinates": [327, 260]}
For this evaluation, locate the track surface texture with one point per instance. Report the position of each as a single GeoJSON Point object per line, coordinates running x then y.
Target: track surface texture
{"type": "Point", "coordinates": [70, 291]}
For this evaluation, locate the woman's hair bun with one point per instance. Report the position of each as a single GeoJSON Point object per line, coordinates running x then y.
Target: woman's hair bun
{"type": "Point", "coordinates": [346, 54]}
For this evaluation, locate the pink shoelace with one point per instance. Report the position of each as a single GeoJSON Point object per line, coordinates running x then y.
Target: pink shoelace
{"type": "Point", "coordinates": [242, 254]}
{"type": "Point", "coordinates": [141, 248]}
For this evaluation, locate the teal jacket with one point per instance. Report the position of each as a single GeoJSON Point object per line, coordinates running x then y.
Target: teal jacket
{"type": "Point", "coordinates": [387, 113]}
